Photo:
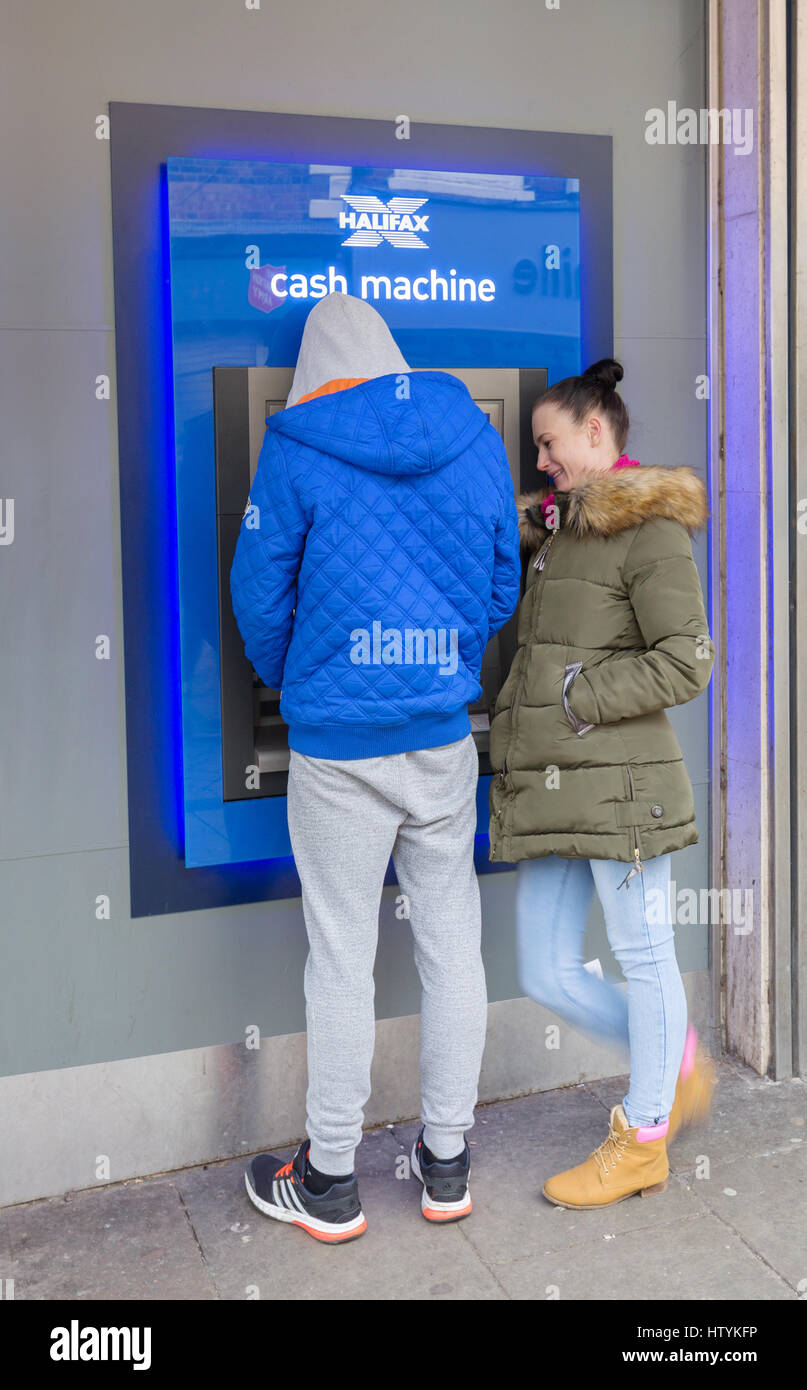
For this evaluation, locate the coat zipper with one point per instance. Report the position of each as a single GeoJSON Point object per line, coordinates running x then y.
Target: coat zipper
{"type": "Point", "coordinates": [540, 559]}
{"type": "Point", "coordinates": [502, 776]}
{"type": "Point", "coordinates": [538, 564]}
{"type": "Point", "coordinates": [637, 867]}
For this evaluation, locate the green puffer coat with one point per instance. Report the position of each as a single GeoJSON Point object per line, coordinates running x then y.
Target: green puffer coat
{"type": "Point", "coordinates": [611, 632]}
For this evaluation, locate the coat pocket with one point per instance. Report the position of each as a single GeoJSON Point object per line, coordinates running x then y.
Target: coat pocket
{"type": "Point", "coordinates": [569, 676]}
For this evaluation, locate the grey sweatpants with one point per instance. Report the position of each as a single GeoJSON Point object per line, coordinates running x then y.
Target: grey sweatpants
{"type": "Point", "coordinates": [346, 818]}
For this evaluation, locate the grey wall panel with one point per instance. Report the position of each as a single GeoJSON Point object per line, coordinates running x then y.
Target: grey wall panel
{"type": "Point", "coordinates": [87, 991]}
{"type": "Point", "coordinates": [669, 425]}
{"type": "Point", "coordinates": [55, 217]}
{"type": "Point", "coordinates": [62, 757]}
{"type": "Point", "coordinates": [659, 280]}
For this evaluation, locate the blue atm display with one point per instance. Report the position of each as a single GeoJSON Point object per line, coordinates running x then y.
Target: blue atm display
{"type": "Point", "coordinates": [469, 270]}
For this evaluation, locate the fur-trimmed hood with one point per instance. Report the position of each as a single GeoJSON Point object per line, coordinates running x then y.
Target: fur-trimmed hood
{"type": "Point", "coordinates": [616, 501]}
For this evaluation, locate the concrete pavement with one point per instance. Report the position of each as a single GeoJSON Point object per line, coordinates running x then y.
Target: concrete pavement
{"type": "Point", "coordinates": [732, 1223]}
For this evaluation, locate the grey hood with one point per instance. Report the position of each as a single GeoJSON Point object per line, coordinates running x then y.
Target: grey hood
{"type": "Point", "coordinates": [343, 337]}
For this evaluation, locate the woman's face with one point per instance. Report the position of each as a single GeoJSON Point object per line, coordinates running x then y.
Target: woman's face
{"type": "Point", "coordinates": [567, 452]}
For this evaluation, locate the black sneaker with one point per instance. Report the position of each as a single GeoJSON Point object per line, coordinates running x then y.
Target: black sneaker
{"type": "Point", "coordinates": [278, 1190]}
{"type": "Point", "coordinates": [446, 1195]}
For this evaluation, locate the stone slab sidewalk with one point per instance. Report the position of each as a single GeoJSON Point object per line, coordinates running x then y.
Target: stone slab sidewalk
{"type": "Point", "coordinates": [732, 1223]}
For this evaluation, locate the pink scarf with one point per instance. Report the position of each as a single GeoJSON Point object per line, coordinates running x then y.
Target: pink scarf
{"type": "Point", "coordinates": [622, 462]}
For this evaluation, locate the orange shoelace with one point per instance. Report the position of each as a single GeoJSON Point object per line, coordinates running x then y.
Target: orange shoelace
{"type": "Point", "coordinates": [284, 1172]}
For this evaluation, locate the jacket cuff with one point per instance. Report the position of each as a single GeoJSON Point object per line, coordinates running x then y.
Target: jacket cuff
{"type": "Point", "coordinates": [574, 682]}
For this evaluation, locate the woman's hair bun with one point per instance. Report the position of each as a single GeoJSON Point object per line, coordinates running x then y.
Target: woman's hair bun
{"type": "Point", "coordinates": [594, 391]}
{"type": "Point", "coordinates": [606, 373]}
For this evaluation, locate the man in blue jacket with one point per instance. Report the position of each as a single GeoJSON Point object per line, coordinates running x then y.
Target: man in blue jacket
{"type": "Point", "coordinates": [378, 553]}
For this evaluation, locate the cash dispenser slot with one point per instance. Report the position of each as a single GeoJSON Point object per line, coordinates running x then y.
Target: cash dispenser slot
{"type": "Point", "coordinates": [253, 733]}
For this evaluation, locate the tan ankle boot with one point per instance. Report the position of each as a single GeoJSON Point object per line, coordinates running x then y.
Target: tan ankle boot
{"type": "Point", "coordinates": [697, 1080]}
{"type": "Point", "coordinates": [628, 1161]}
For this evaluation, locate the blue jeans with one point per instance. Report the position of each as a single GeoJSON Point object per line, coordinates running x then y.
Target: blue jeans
{"type": "Point", "coordinates": [553, 897]}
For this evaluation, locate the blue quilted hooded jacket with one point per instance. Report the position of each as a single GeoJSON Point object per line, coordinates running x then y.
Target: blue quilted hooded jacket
{"type": "Point", "coordinates": [377, 554]}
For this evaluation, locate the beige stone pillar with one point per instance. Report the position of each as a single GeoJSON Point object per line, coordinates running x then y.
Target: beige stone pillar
{"type": "Point", "coordinates": [753, 533]}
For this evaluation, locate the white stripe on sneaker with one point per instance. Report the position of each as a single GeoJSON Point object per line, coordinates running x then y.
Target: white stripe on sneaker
{"type": "Point", "coordinates": [280, 1213]}
{"type": "Point", "coordinates": [289, 1191]}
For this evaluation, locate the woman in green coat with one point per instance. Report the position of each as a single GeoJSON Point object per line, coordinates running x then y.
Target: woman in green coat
{"type": "Point", "coordinates": [591, 792]}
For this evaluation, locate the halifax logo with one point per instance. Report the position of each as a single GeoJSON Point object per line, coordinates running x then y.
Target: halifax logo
{"type": "Point", "coordinates": [372, 222]}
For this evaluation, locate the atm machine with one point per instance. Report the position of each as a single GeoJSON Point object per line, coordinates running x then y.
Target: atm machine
{"type": "Point", "coordinates": [253, 734]}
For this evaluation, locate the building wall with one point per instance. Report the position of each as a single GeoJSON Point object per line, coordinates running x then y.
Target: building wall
{"type": "Point", "coordinates": [83, 993]}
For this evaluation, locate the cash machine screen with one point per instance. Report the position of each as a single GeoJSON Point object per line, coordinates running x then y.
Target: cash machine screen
{"type": "Point", "coordinates": [475, 273]}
